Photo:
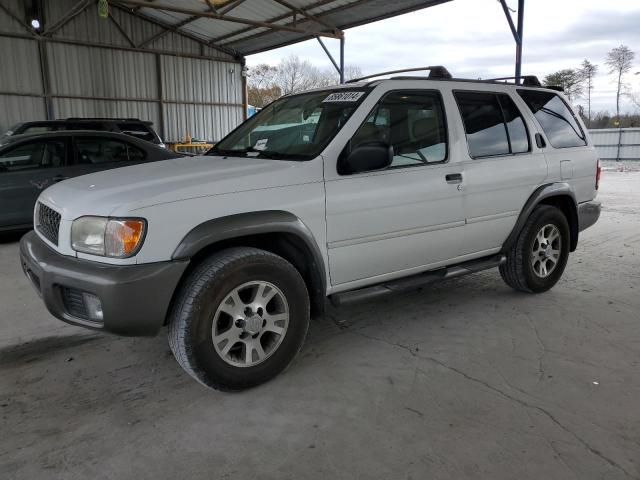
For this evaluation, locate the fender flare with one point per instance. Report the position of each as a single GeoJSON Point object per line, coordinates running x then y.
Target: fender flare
{"type": "Point", "coordinates": [557, 189]}
{"type": "Point", "coordinates": [246, 224]}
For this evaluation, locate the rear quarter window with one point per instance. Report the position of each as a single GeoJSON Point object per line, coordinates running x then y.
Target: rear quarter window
{"type": "Point", "coordinates": [138, 130]}
{"type": "Point", "coordinates": [555, 117]}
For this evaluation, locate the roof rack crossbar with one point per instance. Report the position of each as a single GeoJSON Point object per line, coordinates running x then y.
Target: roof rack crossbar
{"type": "Point", "coordinates": [436, 71]}
{"type": "Point", "coordinates": [120, 119]}
{"type": "Point", "coordinates": [527, 80]}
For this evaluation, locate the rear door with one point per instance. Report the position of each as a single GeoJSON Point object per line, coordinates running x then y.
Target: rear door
{"type": "Point", "coordinates": [25, 170]}
{"type": "Point", "coordinates": [97, 153]}
{"type": "Point", "coordinates": [502, 167]}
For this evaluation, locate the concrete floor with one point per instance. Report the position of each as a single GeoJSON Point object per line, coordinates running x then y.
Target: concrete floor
{"type": "Point", "coordinates": [464, 380]}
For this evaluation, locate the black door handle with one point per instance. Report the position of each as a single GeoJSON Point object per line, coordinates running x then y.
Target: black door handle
{"type": "Point", "coordinates": [453, 178]}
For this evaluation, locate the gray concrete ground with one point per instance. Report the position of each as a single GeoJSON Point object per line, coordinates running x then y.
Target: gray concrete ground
{"type": "Point", "coordinates": [463, 380]}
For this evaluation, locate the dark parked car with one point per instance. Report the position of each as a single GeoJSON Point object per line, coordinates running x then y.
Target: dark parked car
{"type": "Point", "coordinates": [31, 163]}
{"type": "Point", "coordinates": [130, 126]}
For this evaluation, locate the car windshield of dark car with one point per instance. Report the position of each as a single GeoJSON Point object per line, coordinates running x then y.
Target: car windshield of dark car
{"type": "Point", "coordinates": [296, 127]}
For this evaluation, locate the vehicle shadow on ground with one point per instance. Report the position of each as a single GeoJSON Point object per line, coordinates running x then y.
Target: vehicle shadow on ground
{"type": "Point", "coordinates": [12, 237]}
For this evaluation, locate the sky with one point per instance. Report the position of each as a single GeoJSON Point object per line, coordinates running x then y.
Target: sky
{"type": "Point", "coordinates": [472, 39]}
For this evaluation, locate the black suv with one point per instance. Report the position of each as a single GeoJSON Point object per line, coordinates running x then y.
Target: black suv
{"type": "Point", "coordinates": [129, 126]}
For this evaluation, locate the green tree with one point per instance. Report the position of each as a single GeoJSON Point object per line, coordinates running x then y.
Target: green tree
{"type": "Point", "coordinates": [570, 81]}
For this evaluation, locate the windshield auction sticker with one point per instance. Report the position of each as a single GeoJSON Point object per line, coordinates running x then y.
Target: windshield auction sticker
{"type": "Point", "coordinates": [261, 144]}
{"type": "Point", "coordinates": [344, 97]}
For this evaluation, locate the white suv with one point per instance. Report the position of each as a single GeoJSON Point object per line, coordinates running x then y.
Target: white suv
{"type": "Point", "coordinates": [339, 193]}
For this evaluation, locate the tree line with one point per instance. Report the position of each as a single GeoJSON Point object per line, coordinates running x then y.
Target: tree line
{"type": "Point", "coordinates": [577, 83]}
{"type": "Point", "coordinates": [266, 83]}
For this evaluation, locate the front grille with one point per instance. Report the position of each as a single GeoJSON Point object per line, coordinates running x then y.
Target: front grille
{"type": "Point", "coordinates": [48, 223]}
{"type": "Point", "coordinates": [74, 303]}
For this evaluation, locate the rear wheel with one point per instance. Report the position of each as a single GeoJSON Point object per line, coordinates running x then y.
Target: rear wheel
{"type": "Point", "coordinates": [239, 319]}
{"type": "Point", "coordinates": [539, 256]}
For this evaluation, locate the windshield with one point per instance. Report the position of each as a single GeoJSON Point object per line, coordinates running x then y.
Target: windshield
{"type": "Point", "coordinates": [293, 128]}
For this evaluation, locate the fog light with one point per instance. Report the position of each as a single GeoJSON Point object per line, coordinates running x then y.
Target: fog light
{"type": "Point", "coordinates": [93, 306]}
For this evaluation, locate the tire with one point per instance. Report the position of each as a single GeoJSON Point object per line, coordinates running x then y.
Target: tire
{"type": "Point", "coordinates": [523, 269]}
{"type": "Point", "coordinates": [210, 313]}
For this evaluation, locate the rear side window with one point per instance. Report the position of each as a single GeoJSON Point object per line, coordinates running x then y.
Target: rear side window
{"type": "Point", "coordinates": [138, 130]}
{"type": "Point", "coordinates": [493, 124]}
{"type": "Point", "coordinates": [34, 155]}
{"type": "Point", "coordinates": [96, 151]}
{"type": "Point", "coordinates": [555, 117]}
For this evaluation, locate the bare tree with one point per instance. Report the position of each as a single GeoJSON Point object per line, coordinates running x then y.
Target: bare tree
{"type": "Point", "coordinates": [620, 60]}
{"type": "Point", "coordinates": [296, 75]}
{"type": "Point", "coordinates": [570, 81]}
{"type": "Point", "coordinates": [261, 86]}
{"type": "Point", "coordinates": [352, 71]}
{"type": "Point", "coordinates": [587, 72]}
{"type": "Point", "coordinates": [292, 75]}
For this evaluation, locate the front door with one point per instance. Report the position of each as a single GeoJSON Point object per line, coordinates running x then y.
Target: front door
{"type": "Point", "coordinates": [406, 218]}
{"type": "Point", "coordinates": [26, 170]}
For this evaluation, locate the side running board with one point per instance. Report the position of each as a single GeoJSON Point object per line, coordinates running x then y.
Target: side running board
{"type": "Point", "coordinates": [416, 281]}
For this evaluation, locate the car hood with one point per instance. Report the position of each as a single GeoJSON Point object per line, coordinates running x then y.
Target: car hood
{"type": "Point", "coordinates": [138, 186]}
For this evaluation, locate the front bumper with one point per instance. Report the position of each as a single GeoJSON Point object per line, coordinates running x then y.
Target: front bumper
{"type": "Point", "coordinates": [588, 214]}
{"type": "Point", "coordinates": [134, 298]}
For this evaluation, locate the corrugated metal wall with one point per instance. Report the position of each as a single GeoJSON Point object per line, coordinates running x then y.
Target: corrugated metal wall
{"type": "Point", "coordinates": [92, 68]}
{"type": "Point", "coordinates": [617, 144]}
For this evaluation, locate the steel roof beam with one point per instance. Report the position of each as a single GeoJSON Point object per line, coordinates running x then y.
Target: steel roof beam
{"type": "Point", "coordinates": [171, 28]}
{"type": "Point", "coordinates": [226, 18]}
{"type": "Point", "coordinates": [517, 33]}
{"type": "Point", "coordinates": [305, 13]}
{"type": "Point", "coordinates": [230, 6]}
{"type": "Point", "coordinates": [271, 20]}
{"type": "Point", "coordinates": [333, 11]}
{"type": "Point", "coordinates": [26, 26]}
{"type": "Point", "coordinates": [162, 33]}
{"type": "Point", "coordinates": [76, 10]}
{"type": "Point", "coordinates": [122, 31]}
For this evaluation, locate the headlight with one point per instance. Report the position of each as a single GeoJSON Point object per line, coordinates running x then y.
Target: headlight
{"type": "Point", "coordinates": [108, 237]}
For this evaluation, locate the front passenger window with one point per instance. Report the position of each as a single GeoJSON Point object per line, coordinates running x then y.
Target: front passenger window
{"type": "Point", "coordinates": [413, 123]}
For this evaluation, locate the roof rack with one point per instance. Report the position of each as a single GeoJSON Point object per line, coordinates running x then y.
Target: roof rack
{"type": "Point", "coordinates": [119, 119]}
{"type": "Point", "coordinates": [526, 80]}
{"type": "Point", "coordinates": [437, 71]}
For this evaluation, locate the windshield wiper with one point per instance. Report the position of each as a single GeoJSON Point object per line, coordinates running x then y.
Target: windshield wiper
{"type": "Point", "coordinates": [255, 153]}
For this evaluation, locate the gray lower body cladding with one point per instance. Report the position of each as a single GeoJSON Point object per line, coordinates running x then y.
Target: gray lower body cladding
{"type": "Point", "coordinates": [134, 298]}
{"type": "Point", "coordinates": [588, 213]}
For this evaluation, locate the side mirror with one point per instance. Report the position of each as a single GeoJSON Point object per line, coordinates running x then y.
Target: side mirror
{"type": "Point", "coordinates": [365, 158]}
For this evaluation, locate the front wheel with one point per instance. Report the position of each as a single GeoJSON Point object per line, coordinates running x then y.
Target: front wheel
{"type": "Point", "coordinates": [239, 319]}
{"type": "Point", "coordinates": [539, 256]}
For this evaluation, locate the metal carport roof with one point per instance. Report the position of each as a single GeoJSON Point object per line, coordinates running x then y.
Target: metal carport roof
{"type": "Point", "coordinates": [246, 27]}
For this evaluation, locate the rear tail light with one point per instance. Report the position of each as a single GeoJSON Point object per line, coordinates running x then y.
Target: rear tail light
{"type": "Point", "coordinates": [598, 174]}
